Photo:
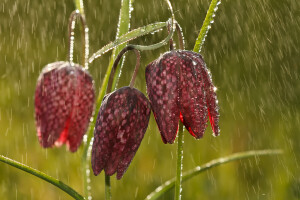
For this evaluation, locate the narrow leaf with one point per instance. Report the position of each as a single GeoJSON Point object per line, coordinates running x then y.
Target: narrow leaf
{"type": "Point", "coordinates": [128, 37]}
{"type": "Point", "coordinates": [43, 176]}
{"type": "Point", "coordinates": [159, 191]}
{"type": "Point", "coordinates": [206, 25]}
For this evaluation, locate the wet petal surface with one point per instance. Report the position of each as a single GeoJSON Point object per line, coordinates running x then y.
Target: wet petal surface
{"type": "Point", "coordinates": [121, 124]}
{"type": "Point", "coordinates": [162, 88]}
{"type": "Point", "coordinates": [192, 97]}
{"type": "Point", "coordinates": [210, 92]}
{"type": "Point", "coordinates": [64, 101]}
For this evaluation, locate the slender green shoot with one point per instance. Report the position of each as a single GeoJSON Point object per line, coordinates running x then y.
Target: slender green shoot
{"type": "Point", "coordinates": [107, 187]}
{"type": "Point", "coordinates": [209, 19]}
{"type": "Point", "coordinates": [131, 35]}
{"type": "Point", "coordinates": [168, 185]}
{"type": "Point", "coordinates": [179, 162]}
{"type": "Point", "coordinates": [43, 176]}
{"type": "Point", "coordinates": [79, 5]}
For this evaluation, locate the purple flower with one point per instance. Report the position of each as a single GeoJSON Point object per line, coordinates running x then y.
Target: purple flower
{"type": "Point", "coordinates": [121, 124]}
{"type": "Point", "coordinates": [179, 86]}
{"type": "Point", "coordinates": [64, 101]}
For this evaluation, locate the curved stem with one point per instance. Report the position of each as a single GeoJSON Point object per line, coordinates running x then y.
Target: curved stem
{"type": "Point", "coordinates": [137, 66]}
{"type": "Point", "coordinates": [180, 36]}
{"type": "Point", "coordinates": [179, 162]}
{"type": "Point", "coordinates": [171, 43]}
{"type": "Point", "coordinates": [107, 187]}
{"type": "Point", "coordinates": [115, 65]}
{"type": "Point", "coordinates": [84, 36]}
{"type": "Point", "coordinates": [43, 176]}
{"type": "Point", "coordinates": [86, 169]}
{"type": "Point", "coordinates": [206, 25]}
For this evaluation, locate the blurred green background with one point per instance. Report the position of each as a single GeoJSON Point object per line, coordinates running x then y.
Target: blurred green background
{"type": "Point", "coordinates": [253, 53]}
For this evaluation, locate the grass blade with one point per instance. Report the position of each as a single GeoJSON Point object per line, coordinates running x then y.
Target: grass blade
{"type": "Point", "coordinates": [206, 25]}
{"type": "Point", "coordinates": [197, 170]}
{"type": "Point", "coordinates": [128, 37]}
{"type": "Point", "coordinates": [43, 176]}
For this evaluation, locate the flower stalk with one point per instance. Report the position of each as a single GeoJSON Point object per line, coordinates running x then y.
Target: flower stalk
{"type": "Point", "coordinates": [179, 166]}
{"type": "Point", "coordinates": [115, 65]}
{"type": "Point", "coordinates": [84, 37]}
{"type": "Point", "coordinates": [179, 162]}
{"type": "Point", "coordinates": [107, 187]}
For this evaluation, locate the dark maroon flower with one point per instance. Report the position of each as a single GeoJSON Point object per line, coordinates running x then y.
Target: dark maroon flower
{"type": "Point", "coordinates": [179, 86]}
{"type": "Point", "coordinates": [64, 101]}
{"type": "Point", "coordinates": [121, 124]}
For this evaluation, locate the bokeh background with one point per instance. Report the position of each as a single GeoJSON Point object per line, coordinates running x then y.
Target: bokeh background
{"type": "Point", "coordinates": [253, 53]}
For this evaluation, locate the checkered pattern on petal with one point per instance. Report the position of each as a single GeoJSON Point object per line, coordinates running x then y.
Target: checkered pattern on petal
{"type": "Point", "coordinates": [120, 127]}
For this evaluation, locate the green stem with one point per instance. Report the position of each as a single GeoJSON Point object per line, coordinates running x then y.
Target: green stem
{"type": "Point", "coordinates": [180, 36]}
{"type": "Point", "coordinates": [85, 46]}
{"type": "Point", "coordinates": [116, 63]}
{"type": "Point", "coordinates": [86, 170]}
{"type": "Point", "coordinates": [79, 6]}
{"type": "Point", "coordinates": [179, 162]}
{"type": "Point", "coordinates": [84, 37]}
{"type": "Point", "coordinates": [107, 187]}
{"type": "Point", "coordinates": [206, 25]}
{"type": "Point", "coordinates": [168, 185]}
{"type": "Point", "coordinates": [43, 176]}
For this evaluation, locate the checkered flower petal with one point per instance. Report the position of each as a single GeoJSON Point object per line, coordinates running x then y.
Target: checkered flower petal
{"type": "Point", "coordinates": [64, 101]}
{"type": "Point", "coordinates": [120, 127]}
{"type": "Point", "coordinates": [179, 86]}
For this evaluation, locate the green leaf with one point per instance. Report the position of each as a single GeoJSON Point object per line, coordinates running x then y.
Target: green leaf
{"type": "Point", "coordinates": [159, 191]}
{"type": "Point", "coordinates": [128, 37]}
{"type": "Point", "coordinates": [43, 176]}
{"type": "Point", "coordinates": [206, 25]}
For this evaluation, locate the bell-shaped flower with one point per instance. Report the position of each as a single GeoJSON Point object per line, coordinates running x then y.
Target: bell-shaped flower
{"type": "Point", "coordinates": [120, 127]}
{"type": "Point", "coordinates": [64, 101]}
{"type": "Point", "coordinates": [179, 86]}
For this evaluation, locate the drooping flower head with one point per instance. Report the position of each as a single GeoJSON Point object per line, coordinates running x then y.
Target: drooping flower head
{"type": "Point", "coordinates": [120, 127]}
{"type": "Point", "coordinates": [64, 101]}
{"type": "Point", "coordinates": [179, 86]}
